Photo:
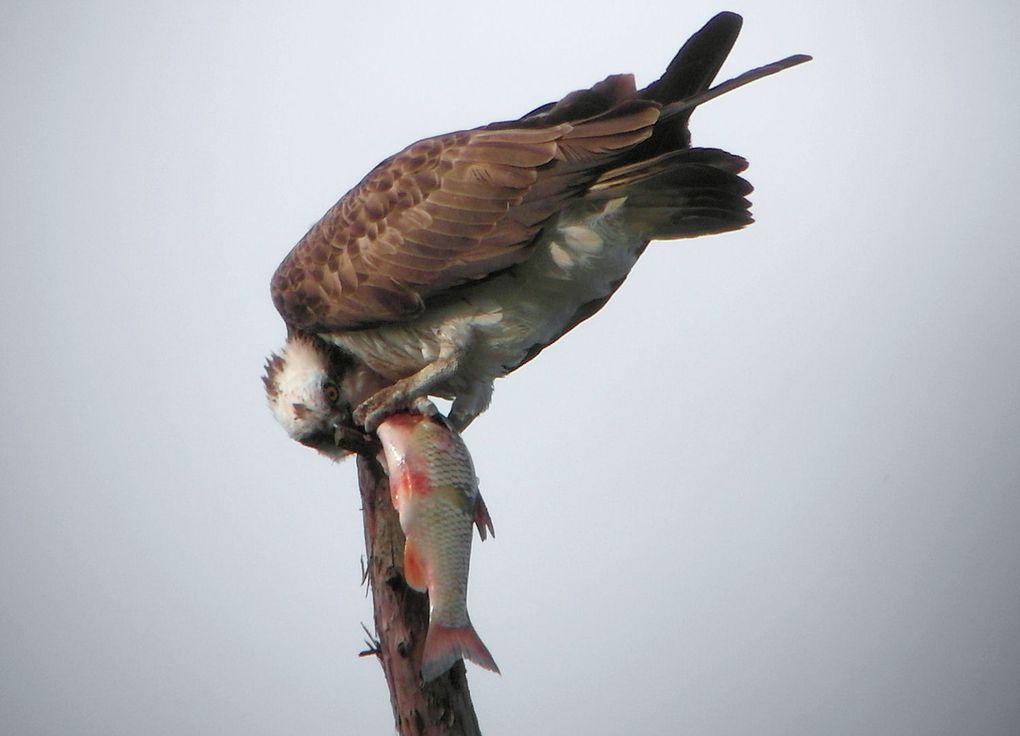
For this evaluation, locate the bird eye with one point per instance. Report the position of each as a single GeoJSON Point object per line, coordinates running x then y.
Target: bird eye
{"type": "Point", "coordinates": [331, 392]}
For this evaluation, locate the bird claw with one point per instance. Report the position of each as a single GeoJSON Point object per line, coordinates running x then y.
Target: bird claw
{"type": "Point", "coordinates": [373, 410]}
{"type": "Point", "coordinates": [376, 408]}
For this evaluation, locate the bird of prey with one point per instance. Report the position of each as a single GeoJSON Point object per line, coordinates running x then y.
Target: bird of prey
{"type": "Point", "coordinates": [457, 260]}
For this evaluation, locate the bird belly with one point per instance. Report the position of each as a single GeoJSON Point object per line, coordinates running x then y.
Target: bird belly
{"type": "Point", "coordinates": [580, 260]}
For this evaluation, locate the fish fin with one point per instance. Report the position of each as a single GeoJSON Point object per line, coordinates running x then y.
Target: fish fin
{"type": "Point", "coordinates": [482, 519]}
{"type": "Point", "coordinates": [414, 567]}
{"type": "Point", "coordinates": [444, 645]}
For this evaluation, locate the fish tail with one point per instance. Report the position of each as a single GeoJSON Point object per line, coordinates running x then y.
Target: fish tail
{"type": "Point", "coordinates": [444, 645]}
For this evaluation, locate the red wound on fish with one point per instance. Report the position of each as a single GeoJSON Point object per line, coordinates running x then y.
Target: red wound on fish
{"type": "Point", "coordinates": [414, 568]}
{"type": "Point", "coordinates": [444, 645]}
{"type": "Point", "coordinates": [403, 421]}
{"type": "Point", "coordinates": [411, 481]}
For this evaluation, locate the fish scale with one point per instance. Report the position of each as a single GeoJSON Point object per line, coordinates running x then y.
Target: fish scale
{"type": "Point", "coordinates": [435, 492]}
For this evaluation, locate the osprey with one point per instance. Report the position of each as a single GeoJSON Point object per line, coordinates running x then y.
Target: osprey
{"type": "Point", "coordinates": [457, 260]}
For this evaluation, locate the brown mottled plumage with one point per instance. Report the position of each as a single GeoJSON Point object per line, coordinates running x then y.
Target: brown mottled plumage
{"type": "Point", "coordinates": [444, 211]}
{"type": "Point", "coordinates": [464, 255]}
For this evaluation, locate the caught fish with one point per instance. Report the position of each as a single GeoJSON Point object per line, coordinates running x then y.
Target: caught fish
{"type": "Point", "coordinates": [435, 492]}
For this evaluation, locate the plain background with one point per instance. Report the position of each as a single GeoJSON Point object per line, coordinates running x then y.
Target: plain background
{"type": "Point", "coordinates": [773, 488]}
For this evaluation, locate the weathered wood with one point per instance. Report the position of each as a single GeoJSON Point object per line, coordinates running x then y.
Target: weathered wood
{"type": "Point", "coordinates": [442, 707]}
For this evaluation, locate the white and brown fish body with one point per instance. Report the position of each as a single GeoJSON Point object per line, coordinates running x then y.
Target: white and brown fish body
{"type": "Point", "coordinates": [435, 492]}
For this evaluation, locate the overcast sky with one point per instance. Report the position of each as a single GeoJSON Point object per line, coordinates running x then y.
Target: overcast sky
{"type": "Point", "coordinates": [772, 488]}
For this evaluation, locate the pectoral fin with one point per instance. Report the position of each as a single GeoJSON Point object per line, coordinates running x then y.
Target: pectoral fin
{"type": "Point", "coordinates": [482, 520]}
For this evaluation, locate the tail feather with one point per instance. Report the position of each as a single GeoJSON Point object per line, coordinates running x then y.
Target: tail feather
{"type": "Point", "coordinates": [444, 645]}
{"type": "Point", "coordinates": [683, 194]}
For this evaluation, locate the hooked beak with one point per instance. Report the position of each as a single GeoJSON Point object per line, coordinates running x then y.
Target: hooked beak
{"type": "Point", "coordinates": [353, 440]}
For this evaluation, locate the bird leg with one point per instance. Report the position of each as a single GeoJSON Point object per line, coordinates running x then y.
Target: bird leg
{"type": "Point", "coordinates": [412, 392]}
{"type": "Point", "coordinates": [468, 405]}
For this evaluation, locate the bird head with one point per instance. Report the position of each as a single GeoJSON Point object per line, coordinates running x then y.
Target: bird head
{"type": "Point", "coordinates": [304, 386]}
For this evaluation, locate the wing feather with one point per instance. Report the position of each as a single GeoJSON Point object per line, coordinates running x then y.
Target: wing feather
{"type": "Point", "coordinates": [452, 209]}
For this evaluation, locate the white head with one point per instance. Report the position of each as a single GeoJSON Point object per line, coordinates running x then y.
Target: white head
{"type": "Point", "coordinates": [304, 393]}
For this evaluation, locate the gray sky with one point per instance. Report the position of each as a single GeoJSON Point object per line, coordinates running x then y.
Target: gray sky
{"type": "Point", "coordinates": [773, 487]}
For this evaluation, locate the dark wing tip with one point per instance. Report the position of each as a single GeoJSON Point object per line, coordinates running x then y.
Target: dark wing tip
{"type": "Point", "coordinates": [794, 60]}
{"type": "Point", "coordinates": [698, 61]}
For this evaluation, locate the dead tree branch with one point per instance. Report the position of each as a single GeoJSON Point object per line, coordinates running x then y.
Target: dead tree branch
{"type": "Point", "coordinates": [442, 707]}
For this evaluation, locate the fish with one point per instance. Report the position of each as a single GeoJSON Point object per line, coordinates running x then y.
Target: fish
{"type": "Point", "coordinates": [434, 489]}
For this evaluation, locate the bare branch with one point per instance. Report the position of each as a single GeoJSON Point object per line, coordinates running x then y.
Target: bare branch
{"type": "Point", "coordinates": [442, 707]}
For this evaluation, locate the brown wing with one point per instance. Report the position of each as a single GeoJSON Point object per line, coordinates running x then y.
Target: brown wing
{"type": "Point", "coordinates": [451, 209]}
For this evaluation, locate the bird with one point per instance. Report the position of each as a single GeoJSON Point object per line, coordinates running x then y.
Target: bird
{"type": "Point", "coordinates": [460, 258]}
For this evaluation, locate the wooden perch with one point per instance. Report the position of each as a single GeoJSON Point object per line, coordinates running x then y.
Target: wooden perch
{"type": "Point", "coordinates": [442, 707]}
